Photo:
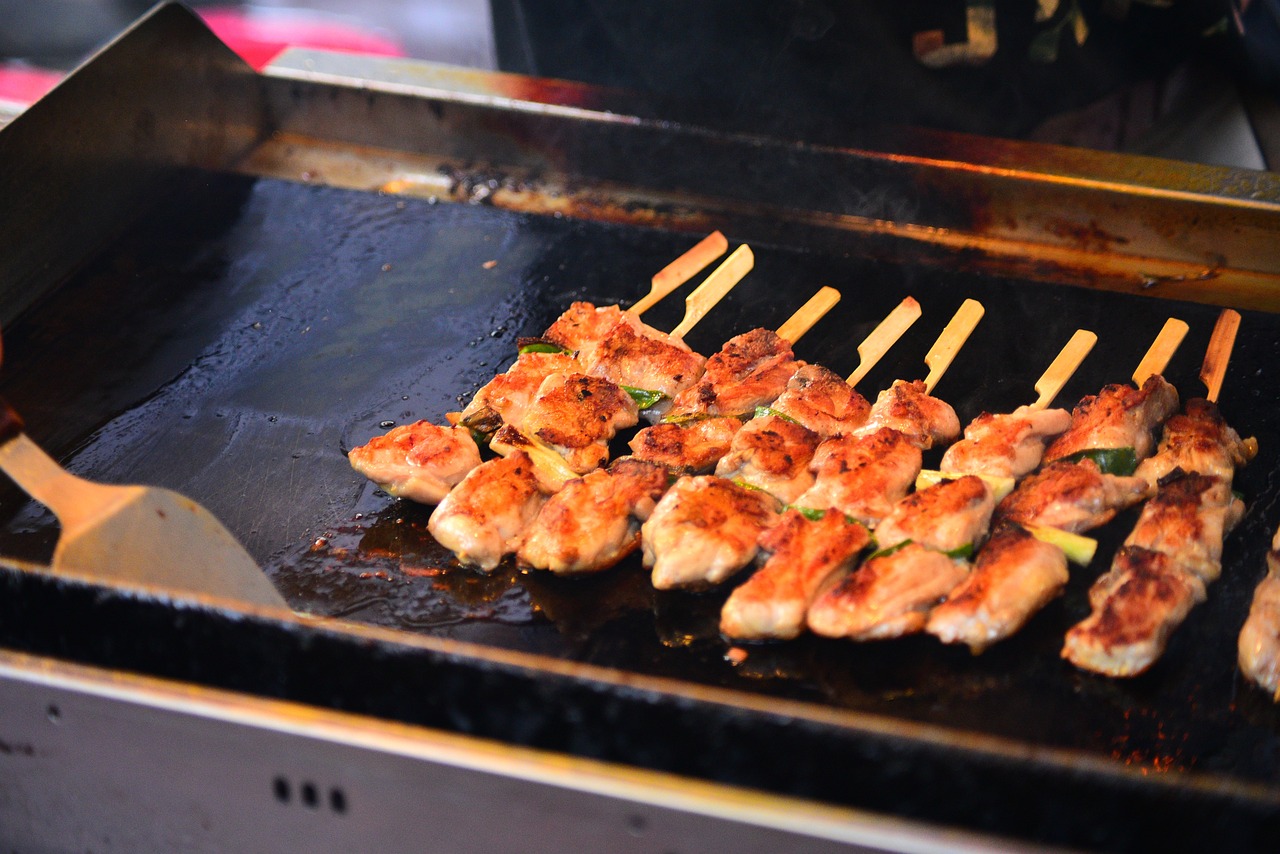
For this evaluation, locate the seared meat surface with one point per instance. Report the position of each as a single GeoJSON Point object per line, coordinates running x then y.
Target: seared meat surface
{"type": "Point", "coordinates": [889, 596]}
{"type": "Point", "coordinates": [506, 397]}
{"type": "Point", "coordinates": [594, 521]}
{"type": "Point", "coordinates": [750, 370]}
{"type": "Point", "coordinates": [1005, 445]}
{"type": "Point", "coordinates": [577, 415]}
{"type": "Point", "coordinates": [704, 530]}
{"type": "Point", "coordinates": [862, 475]}
{"type": "Point", "coordinates": [1199, 440]}
{"type": "Point", "coordinates": [1072, 496]}
{"type": "Point", "coordinates": [1258, 647]}
{"type": "Point", "coordinates": [821, 400]}
{"type": "Point", "coordinates": [485, 516]}
{"type": "Point", "coordinates": [773, 454]}
{"type": "Point", "coordinates": [804, 554]}
{"type": "Point", "coordinates": [1119, 416]}
{"type": "Point", "coordinates": [945, 517]}
{"type": "Point", "coordinates": [692, 448]}
{"type": "Point", "coordinates": [1014, 576]}
{"type": "Point", "coordinates": [644, 359]}
{"type": "Point", "coordinates": [909, 408]}
{"type": "Point", "coordinates": [419, 461]}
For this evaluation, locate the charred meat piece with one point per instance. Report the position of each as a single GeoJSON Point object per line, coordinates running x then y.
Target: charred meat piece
{"type": "Point", "coordinates": [1258, 648]}
{"type": "Point", "coordinates": [577, 415]}
{"type": "Point", "coordinates": [1198, 440]}
{"type": "Point", "coordinates": [772, 603]}
{"type": "Point", "coordinates": [821, 400]}
{"type": "Point", "coordinates": [946, 517]}
{"type": "Point", "coordinates": [419, 461]}
{"type": "Point", "coordinates": [485, 515]}
{"type": "Point", "coordinates": [862, 475]}
{"type": "Point", "coordinates": [644, 359]}
{"type": "Point", "coordinates": [1005, 445]}
{"type": "Point", "coordinates": [1136, 606]}
{"type": "Point", "coordinates": [773, 454]}
{"type": "Point", "coordinates": [1119, 416]}
{"type": "Point", "coordinates": [1072, 496]}
{"type": "Point", "coordinates": [582, 326]}
{"type": "Point", "coordinates": [909, 408]}
{"type": "Point", "coordinates": [750, 370]}
{"type": "Point", "coordinates": [692, 448]}
{"type": "Point", "coordinates": [889, 596]}
{"type": "Point", "coordinates": [1187, 519]}
{"type": "Point", "coordinates": [594, 521]}
{"type": "Point", "coordinates": [1015, 575]}
{"type": "Point", "coordinates": [704, 530]}
{"type": "Point", "coordinates": [506, 397]}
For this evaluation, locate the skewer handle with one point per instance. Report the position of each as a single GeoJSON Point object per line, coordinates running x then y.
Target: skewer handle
{"type": "Point", "coordinates": [1062, 368]}
{"type": "Point", "coordinates": [884, 336]}
{"type": "Point", "coordinates": [808, 314]}
{"type": "Point", "coordinates": [951, 340]}
{"type": "Point", "coordinates": [1221, 342]}
{"type": "Point", "coordinates": [1161, 350]}
{"type": "Point", "coordinates": [682, 270]}
{"type": "Point", "coordinates": [715, 286]}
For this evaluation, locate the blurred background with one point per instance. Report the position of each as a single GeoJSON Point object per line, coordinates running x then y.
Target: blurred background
{"type": "Point", "coordinates": [1195, 80]}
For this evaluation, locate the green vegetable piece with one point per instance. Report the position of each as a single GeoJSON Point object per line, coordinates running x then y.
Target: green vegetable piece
{"type": "Point", "coordinates": [1117, 461]}
{"type": "Point", "coordinates": [762, 411]}
{"type": "Point", "coordinates": [644, 398]}
{"type": "Point", "coordinates": [1079, 549]}
{"type": "Point", "coordinates": [890, 550]}
{"type": "Point", "coordinates": [965, 551]}
{"type": "Point", "coordinates": [542, 347]}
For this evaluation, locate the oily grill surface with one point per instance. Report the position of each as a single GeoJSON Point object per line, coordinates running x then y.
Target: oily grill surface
{"type": "Point", "coordinates": [237, 344]}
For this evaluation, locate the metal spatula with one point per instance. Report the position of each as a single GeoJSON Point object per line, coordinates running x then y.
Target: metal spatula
{"type": "Point", "coordinates": [133, 534]}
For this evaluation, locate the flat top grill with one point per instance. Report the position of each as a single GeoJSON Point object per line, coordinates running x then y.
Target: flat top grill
{"type": "Point", "coordinates": [238, 339]}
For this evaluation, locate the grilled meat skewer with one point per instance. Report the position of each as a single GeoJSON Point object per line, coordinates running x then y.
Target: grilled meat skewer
{"type": "Point", "coordinates": [1258, 647]}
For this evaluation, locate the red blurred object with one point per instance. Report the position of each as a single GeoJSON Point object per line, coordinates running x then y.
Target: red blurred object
{"type": "Point", "coordinates": [258, 35]}
{"type": "Point", "coordinates": [23, 84]}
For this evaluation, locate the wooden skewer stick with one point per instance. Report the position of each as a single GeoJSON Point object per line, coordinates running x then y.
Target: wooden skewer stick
{"type": "Point", "coordinates": [714, 287]}
{"type": "Point", "coordinates": [1161, 351]}
{"type": "Point", "coordinates": [681, 270]}
{"type": "Point", "coordinates": [809, 314]}
{"type": "Point", "coordinates": [884, 336]}
{"type": "Point", "coordinates": [1062, 368]}
{"type": "Point", "coordinates": [1221, 342]}
{"type": "Point", "coordinates": [951, 340]}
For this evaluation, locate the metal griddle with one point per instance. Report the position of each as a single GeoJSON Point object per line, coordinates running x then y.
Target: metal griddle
{"type": "Point", "coordinates": [219, 282]}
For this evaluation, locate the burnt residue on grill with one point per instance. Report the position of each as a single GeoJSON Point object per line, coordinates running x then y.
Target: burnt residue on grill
{"type": "Point", "coordinates": [236, 356]}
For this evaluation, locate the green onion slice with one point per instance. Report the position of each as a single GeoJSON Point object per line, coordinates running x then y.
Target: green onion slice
{"type": "Point", "coordinates": [536, 346]}
{"type": "Point", "coordinates": [1117, 461]}
{"type": "Point", "coordinates": [1078, 548]}
{"type": "Point", "coordinates": [644, 398]}
{"type": "Point", "coordinates": [762, 411]}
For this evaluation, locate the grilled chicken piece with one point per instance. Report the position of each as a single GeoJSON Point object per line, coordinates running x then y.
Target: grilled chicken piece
{"type": "Point", "coordinates": [1073, 496]}
{"type": "Point", "coordinates": [419, 461]}
{"type": "Point", "coordinates": [644, 359]}
{"type": "Point", "coordinates": [773, 454]}
{"type": "Point", "coordinates": [1015, 575]}
{"type": "Point", "coordinates": [773, 602]}
{"type": "Point", "coordinates": [485, 515]}
{"type": "Point", "coordinates": [889, 596]}
{"type": "Point", "coordinates": [862, 476]}
{"type": "Point", "coordinates": [750, 370]}
{"type": "Point", "coordinates": [1005, 445]}
{"type": "Point", "coordinates": [692, 448]}
{"type": "Point", "coordinates": [583, 325]}
{"type": "Point", "coordinates": [594, 521]}
{"type": "Point", "coordinates": [1198, 440]}
{"type": "Point", "coordinates": [1136, 606]}
{"type": "Point", "coordinates": [1258, 648]}
{"type": "Point", "coordinates": [821, 400]}
{"type": "Point", "coordinates": [909, 408]}
{"type": "Point", "coordinates": [945, 517]}
{"type": "Point", "coordinates": [577, 415]}
{"type": "Point", "coordinates": [1187, 520]}
{"type": "Point", "coordinates": [704, 530]}
{"type": "Point", "coordinates": [506, 397]}
{"type": "Point", "coordinates": [1119, 416]}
